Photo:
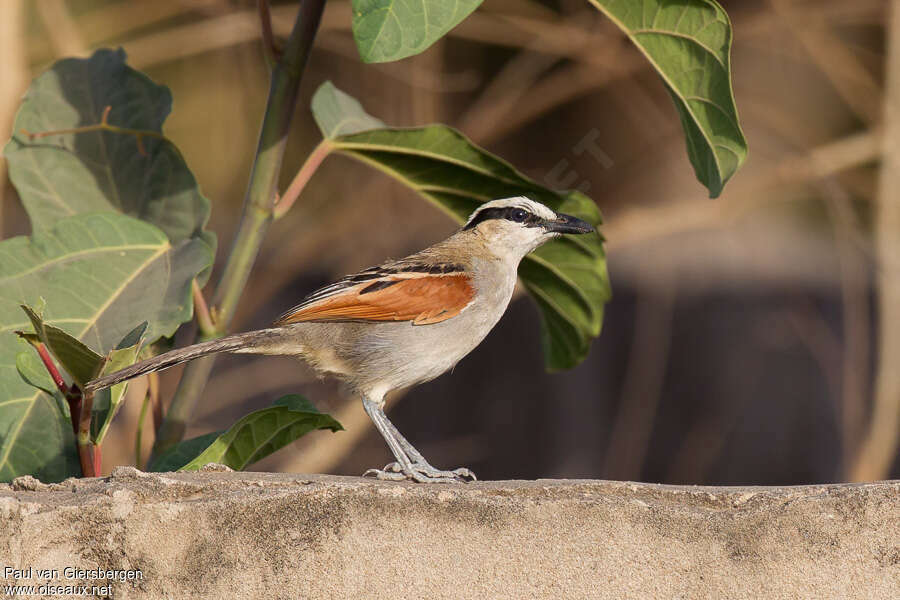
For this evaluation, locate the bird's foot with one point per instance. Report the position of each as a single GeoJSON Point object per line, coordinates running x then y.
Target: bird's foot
{"type": "Point", "coordinates": [421, 472]}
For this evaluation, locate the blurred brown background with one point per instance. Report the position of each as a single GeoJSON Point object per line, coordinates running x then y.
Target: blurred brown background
{"type": "Point", "coordinates": [744, 343]}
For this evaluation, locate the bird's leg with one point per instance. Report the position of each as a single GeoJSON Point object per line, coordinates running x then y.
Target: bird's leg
{"type": "Point", "coordinates": [419, 461]}
{"type": "Point", "coordinates": [410, 463]}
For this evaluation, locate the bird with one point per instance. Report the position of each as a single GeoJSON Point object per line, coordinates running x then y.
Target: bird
{"type": "Point", "coordinates": [400, 323]}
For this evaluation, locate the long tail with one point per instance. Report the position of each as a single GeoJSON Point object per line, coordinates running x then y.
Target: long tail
{"type": "Point", "coordinates": [240, 342]}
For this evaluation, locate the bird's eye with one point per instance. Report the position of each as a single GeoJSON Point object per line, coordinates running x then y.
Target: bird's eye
{"type": "Point", "coordinates": [519, 215]}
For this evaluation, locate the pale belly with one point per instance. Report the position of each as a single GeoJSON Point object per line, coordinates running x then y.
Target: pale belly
{"type": "Point", "coordinates": [378, 357]}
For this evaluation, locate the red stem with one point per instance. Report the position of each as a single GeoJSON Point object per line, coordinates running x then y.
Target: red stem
{"type": "Point", "coordinates": [51, 368]}
{"type": "Point", "coordinates": [72, 396]}
{"type": "Point", "coordinates": [98, 460]}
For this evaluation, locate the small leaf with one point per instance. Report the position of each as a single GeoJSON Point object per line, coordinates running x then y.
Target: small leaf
{"type": "Point", "coordinates": [567, 276]}
{"type": "Point", "coordinates": [107, 402]}
{"type": "Point", "coordinates": [79, 361]}
{"type": "Point", "coordinates": [74, 173]}
{"type": "Point", "coordinates": [689, 44]}
{"type": "Point", "coordinates": [252, 438]}
{"type": "Point", "coordinates": [100, 274]}
{"type": "Point", "coordinates": [337, 113]}
{"type": "Point", "coordinates": [387, 30]}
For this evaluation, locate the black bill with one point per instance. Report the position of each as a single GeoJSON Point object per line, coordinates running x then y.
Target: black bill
{"type": "Point", "coordinates": [567, 224]}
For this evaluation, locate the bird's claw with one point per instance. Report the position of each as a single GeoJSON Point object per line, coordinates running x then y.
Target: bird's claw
{"type": "Point", "coordinates": [423, 473]}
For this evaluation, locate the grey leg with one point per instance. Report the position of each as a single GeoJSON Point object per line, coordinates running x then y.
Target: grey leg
{"type": "Point", "coordinates": [410, 462]}
{"type": "Point", "coordinates": [419, 461]}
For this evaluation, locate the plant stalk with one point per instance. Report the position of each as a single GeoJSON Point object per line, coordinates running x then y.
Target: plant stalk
{"type": "Point", "coordinates": [88, 454]}
{"type": "Point", "coordinates": [878, 450]}
{"type": "Point", "coordinates": [286, 201]}
{"type": "Point", "coordinates": [258, 213]}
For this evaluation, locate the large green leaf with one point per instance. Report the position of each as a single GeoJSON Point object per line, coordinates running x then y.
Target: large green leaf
{"type": "Point", "coordinates": [688, 42]}
{"type": "Point", "coordinates": [387, 30]}
{"type": "Point", "coordinates": [567, 276]}
{"type": "Point", "coordinates": [99, 274]}
{"type": "Point", "coordinates": [251, 439]}
{"type": "Point", "coordinates": [74, 173]}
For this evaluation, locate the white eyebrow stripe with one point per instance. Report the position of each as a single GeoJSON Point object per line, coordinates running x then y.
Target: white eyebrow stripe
{"type": "Point", "coordinates": [522, 202]}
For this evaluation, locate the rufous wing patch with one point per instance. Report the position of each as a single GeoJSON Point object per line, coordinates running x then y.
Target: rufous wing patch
{"type": "Point", "coordinates": [423, 299]}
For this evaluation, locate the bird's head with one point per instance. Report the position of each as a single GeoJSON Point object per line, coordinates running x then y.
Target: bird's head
{"type": "Point", "coordinates": [515, 226]}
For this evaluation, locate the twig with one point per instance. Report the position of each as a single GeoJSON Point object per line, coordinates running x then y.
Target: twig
{"type": "Point", "coordinates": [72, 395]}
{"type": "Point", "coordinates": [80, 406]}
{"type": "Point", "coordinates": [286, 201]}
{"type": "Point", "coordinates": [48, 362]}
{"type": "Point", "coordinates": [270, 48]}
{"type": "Point", "coordinates": [201, 311]}
{"type": "Point", "coordinates": [103, 125]}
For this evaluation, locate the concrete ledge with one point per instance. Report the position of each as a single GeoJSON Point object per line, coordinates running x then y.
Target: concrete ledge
{"type": "Point", "coordinates": [260, 535]}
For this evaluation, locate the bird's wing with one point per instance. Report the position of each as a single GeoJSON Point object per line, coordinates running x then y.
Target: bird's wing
{"type": "Point", "coordinates": [424, 295]}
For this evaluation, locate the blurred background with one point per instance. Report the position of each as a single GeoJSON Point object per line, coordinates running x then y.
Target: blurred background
{"type": "Point", "coordinates": [750, 339]}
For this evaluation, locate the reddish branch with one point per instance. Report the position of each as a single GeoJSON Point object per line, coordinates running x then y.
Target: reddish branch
{"type": "Point", "coordinates": [80, 406]}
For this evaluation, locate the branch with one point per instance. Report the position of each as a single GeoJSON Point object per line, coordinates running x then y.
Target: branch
{"type": "Point", "coordinates": [47, 360]}
{"type": "Point", "coordinates": [72, 395]}
{"type": "Point", "coordinates": [286, 201]}
{"type": "Point", "coordinates": [258, 213]}
{"type": "Point", "coordinates": [201, 311]}
{"type": "Point", "coordinates": [270, 47]}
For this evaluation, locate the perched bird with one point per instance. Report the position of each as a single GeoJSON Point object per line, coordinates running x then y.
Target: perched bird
{"type": "Point", "coordinates": [403, 322]}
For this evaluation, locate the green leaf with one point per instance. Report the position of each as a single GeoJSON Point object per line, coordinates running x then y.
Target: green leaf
{"type": "Point", "coordinates": [251, 439]}
{"type": "Point", "coordinates": [107, 402]}
{"type": "Point", "coordinates": [387, 30]}
{"type": "Point", "coordinates": [79, 361]}
{"type": "Point", "coordinates": [689, 44]}
{"type": "Point", "coordinates": [337, 113]}
{"type": "Point", "coordinates": [567, 276]}
{"type": "Point", "coordinates": [183, 452]}
{"type": "Point", "coordinates": [62, 175]}
{"type": "Point", "coordinates": [100, 274]}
